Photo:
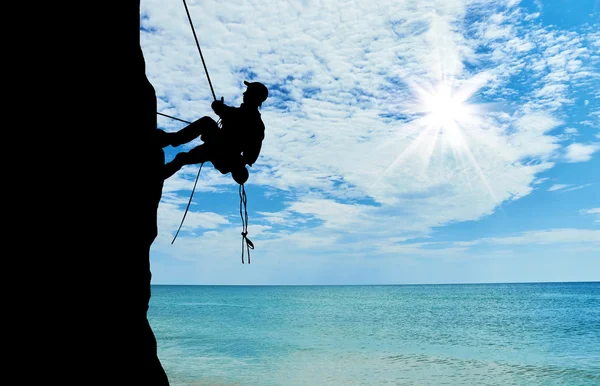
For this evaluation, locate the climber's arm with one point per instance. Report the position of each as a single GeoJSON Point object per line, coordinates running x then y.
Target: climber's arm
{"type": "Point", "coordinates": [221, 109]}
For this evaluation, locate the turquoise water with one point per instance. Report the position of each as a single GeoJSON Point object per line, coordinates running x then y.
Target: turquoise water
{"type": "Point", "coordinates": [489, 334]}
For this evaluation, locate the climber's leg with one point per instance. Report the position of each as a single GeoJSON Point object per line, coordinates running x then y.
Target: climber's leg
{"type": "Point", "coordinates": [199, 154]}
{"type": "Point", "coordinates": [190, 132]}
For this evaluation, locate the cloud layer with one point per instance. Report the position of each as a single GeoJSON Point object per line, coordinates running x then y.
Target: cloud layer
{"type": "Point", "coordinates": [353, 163]}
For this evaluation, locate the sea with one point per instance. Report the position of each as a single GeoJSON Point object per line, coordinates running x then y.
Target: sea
{"type": "Point", "coordinates": [456, 334]}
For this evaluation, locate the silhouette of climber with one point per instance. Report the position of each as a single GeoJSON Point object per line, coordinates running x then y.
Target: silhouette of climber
{"type": "Point", "coordinates": [229, 148]}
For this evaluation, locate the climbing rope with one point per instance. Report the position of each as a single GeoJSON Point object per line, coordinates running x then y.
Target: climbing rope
{"type": "Point", "coordinates": [177, 119]}
{"type": "Point", "coordinates": [242, 190]}
{"type": "Point", "coordinates": [199, 50]}
{"type": "Point", "coordinates": [188, 205]}
{"type": "Point", "coordinates": [244, 216]}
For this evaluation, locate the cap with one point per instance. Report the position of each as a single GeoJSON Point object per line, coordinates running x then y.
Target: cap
{"type": "Point", "coordinates": [260, 89]}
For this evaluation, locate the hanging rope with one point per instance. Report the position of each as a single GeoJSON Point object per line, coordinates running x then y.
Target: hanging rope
{"type": "Point", "coordinates": [244, 216]}
{"type": "Point", "coordinates": [188, 205]}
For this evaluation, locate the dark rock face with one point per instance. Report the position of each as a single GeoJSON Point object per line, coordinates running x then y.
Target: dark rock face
{"type": "Point", "coordinates": [84, 180]}
{"type": "Point", "coordinates": [150, 189]}
{"type": "Point", "coordinates": [152, 184]}
{"type": "Point", "coordinates": [86, 200]}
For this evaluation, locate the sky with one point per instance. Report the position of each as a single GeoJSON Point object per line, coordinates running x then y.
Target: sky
{"type": "Point", "coordinates": [407, 142]}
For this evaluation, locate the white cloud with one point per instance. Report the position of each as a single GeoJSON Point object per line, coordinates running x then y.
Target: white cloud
{"type": "Point", "coordinates": [557, 187]}
{"type": "Point", "coordinates": [552, 236]}
{"type": "Point", "coordinates": [567, 187]}
{"type": "Point", "coordinates": [170, 215]}
{"type": "Point", "coordinates": [568, 134]}
{"type": "Point", "coordinates": [577, 187]}
{"type": "Point", "coordinates": [586, 237]}
{"type": "Point", "coordinates": [579, 152]}
{"type": "Point", "coordinates": [571, 130]}
{"type": "Point", "coordinates": [532, 16]}
{"type": "Point", "coordinates": [593, 211]}
{"type": "Point", "coordinates": [530, 138]}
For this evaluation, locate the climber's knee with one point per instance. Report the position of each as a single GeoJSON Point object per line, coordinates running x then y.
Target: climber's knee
{"type": "Point", "coordinates": [206, 121]}
{"type": "Point", "coordinates": [193, 131]}
{"type": "Point", "coordinates": [197, 155]}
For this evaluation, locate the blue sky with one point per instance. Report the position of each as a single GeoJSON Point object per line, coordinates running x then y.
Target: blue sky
{"type": "Point", "coordinates": [406, 141]}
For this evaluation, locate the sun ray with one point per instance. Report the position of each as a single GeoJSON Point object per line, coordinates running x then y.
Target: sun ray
{"type": "Point", "coordinates": [481, 175]}
{"type": "Point", "coordinates": [429, 151]}
{"type": "Point", "coordinates": [404, 154]}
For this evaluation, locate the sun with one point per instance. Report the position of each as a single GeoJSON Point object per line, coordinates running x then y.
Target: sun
{"type": "Point", "coordinates": [446, 111]}
{"type": "Point", "coordinates": [443, 119]}
{"type": "Point", "coordinates": [443, 108]}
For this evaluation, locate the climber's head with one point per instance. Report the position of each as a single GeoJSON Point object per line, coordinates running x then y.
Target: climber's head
{"type": "Point", "coordinates": [255, 94]}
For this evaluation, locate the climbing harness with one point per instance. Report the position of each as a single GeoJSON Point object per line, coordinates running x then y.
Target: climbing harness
{"type": "Point", "coordinates": [242, 190]}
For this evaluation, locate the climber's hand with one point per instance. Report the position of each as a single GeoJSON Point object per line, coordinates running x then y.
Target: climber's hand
{"type": "Point", "coordinates": [217, 104]}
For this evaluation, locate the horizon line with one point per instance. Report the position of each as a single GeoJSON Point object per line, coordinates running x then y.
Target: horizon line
{"type": "Point", "coordinates": [377, 285]}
